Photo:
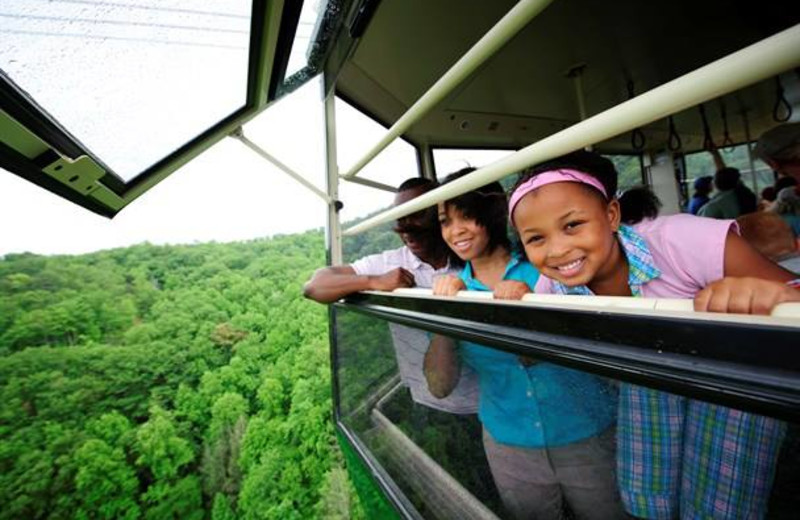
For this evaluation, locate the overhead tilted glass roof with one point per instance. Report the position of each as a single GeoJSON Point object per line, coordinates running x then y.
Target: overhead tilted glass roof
{"type": "Point", "coordinates": [132, 80]}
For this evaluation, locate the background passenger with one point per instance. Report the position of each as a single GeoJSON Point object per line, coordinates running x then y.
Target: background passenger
{"type": "Point", "coordinates": [773, 238]}
{"type": "Point", "coordinates": [702, 190]}
{"type": "Point", "coordinates": [639, 203]}
{"type": "Point", "coordinates": [780, 149]}
{"type": "Point", "coordinates": [732, 199]}
{"type": "Point", "coordinates": [547, 430]}
{"type": "Point", "coordinates": [677, 457]}
{"type": "Point", "coordinates": [767, 198]}
{"type": "Point", "coordinates": [787, 206]}
{"type": "Point", "coordinates": [422, 256]}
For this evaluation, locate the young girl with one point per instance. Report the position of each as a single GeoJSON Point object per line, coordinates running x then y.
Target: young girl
{"type": "Point", "coordinates": [677, 457]}
{"type": "Point", "coordinates": [548, 431]}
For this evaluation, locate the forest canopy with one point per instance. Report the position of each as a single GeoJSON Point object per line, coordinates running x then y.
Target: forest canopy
{"type": "Point", "coordinates": [169, 382]}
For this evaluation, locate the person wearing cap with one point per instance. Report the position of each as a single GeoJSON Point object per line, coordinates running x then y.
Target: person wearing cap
{"type": "Point", "coordinates": [702, 190]}
{"type": "Point", "coordinates": [423, 256]}
{"type": "Point", "coordinates": [780, 149]}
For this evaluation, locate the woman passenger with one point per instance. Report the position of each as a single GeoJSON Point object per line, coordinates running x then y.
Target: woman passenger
{"type": "Point", "coordinates": [677, 457]}
{"type": "Point", "coordinates": [548, 431]}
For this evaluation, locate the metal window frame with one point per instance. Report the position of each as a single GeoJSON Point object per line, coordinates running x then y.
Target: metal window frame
{"type": "Point", "coordinates": [754, 367]}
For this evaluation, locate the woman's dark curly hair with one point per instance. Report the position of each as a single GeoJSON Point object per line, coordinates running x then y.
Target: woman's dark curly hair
{"type": "Point", "coordinates": [486, 205]}
{"type": "Point", "coordinates": [590, 163]}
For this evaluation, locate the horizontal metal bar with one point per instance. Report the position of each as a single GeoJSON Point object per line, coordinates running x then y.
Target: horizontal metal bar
{"type": "Point", "coordinates": [371, 184]}
{"type": "Point", "coordinates": [239, 135]}
{"type": "Point", "coordinates": [783, 315]}
{"type": "Point", "coordinates": [508, 26]}
{"type": "Point", "coordinates": [757, 62]}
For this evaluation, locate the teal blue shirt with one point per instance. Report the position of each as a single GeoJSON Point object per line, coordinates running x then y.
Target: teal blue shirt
{"type": "Point", "coordinates": [540, 405]}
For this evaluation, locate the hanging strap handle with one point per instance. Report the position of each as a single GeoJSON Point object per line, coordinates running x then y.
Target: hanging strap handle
{"type": "Point", "coordinates": [674, 143]}
{"type": "Point", "coordinates": [780, 102]}
{"type": "Point", "coordinates": [708, 141]}
{"type": "Point", "coordinates": [638, 138]}
{"type": "Point", "coordinates": [727, 142]}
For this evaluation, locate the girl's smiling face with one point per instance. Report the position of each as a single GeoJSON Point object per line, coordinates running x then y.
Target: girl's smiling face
{"type": "Point", "coordinates": [567, 231]}
{"type": "Point", "coordinates": [463, 235]}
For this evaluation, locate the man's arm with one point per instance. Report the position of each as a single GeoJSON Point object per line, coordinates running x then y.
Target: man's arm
{"type": "Point", "coordinates": [331, 283]}
{"type": "Point", "coordinates": [719, 162]}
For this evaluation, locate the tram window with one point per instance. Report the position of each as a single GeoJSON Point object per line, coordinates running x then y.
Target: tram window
{"type": "Point", "coordinates": [411, 441]}
{"type": "Point", "coordinates": [700, 164]}
{"type": "Point", "coordinates": [298, 58]}
{"type": "Point", "coordinates": [449, 160]}
{"type": "Point", "coordinates": [301, 145]}
{"type": "Point", "coordinates": [438, 458]}
{"type": "Point", "coordinates": [111, 75]}
{"type": "Point", "coordinates": [355, 133]}
{"type": "Point", "coordinates": [629, 168]}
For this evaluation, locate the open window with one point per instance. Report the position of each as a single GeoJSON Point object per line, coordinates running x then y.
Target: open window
{"type": "Point", "coordinates": [98, 105]}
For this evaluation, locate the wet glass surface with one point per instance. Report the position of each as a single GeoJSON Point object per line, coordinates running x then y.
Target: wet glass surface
{"type": "Point", "coordinates": [132, 81]}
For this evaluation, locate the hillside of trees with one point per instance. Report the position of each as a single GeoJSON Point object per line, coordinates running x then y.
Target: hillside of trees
{"type": "Point", "coordinates": [169, 382]}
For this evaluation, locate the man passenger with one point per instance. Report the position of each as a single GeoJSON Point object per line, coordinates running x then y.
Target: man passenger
{"type": "Point", "coordinates": [423, 256]}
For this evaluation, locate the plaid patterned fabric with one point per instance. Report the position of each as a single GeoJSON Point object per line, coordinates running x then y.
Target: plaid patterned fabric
{"type": "Point", "coordinates": [729, 460]}
{"type": "Point", "coordinates": [641, 268]}
{"type": "Point", "coordinates": [649, 450]}
{"type": "Point", "coordinates": [680, 457]}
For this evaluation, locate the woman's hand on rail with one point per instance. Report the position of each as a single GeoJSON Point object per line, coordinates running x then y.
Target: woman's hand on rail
{"type": "Point", "coordinates": [447, 285]}
{"type": "Point", "coordinates": [744, 296]}
{"type": "Point", "coordinates": [392, 280]}
{"type": "Point", "coordinates": [511, 290]}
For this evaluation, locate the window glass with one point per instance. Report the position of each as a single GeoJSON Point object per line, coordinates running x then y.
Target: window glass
{"type": "Point", "coordinates": [450, 463]}
{"type": "Point", "coordinates": [432, 453]}
{"type": "Point", "coordinates": [318, 24]}
{"type": "Point", "coordinates": [449, 160]}
{"type": "Point", "coordinates": [700, 164]}
{"type": "Point", "coordinates": [629, 168]}
{"type": "Point", "coordinates": [298, 58]}
{"type": "Point", "coordinates": [356, 133]}
{"type": "Point", "coordinates": [131, 81]}
{"type": "Point", "coordinates": [292, 131]}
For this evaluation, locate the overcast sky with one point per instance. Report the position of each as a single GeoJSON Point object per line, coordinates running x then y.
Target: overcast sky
{"type": "Point", "coordinates": [124, 79]}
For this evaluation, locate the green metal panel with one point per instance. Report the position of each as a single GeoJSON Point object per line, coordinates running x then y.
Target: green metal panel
{"type": "Point", "coordinates": [374, 502]}
{"type": "Point", "coordinates": [19, 138]}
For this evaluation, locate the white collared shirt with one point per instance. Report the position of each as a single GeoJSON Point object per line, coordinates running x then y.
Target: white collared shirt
{"type": "Point", "coordinates": [410, 344]}
{"type": "Point", "coordinates": [381, 263]}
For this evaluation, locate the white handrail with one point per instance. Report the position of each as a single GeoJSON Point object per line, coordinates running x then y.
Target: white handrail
{"type": "Point", "coordinates": [757, 62]}
{"type": "Point", "coordinates": [785, 314]}
{"type": "Point", "coordinates": [508, 26]}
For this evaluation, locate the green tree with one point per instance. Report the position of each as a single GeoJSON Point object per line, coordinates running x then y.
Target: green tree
{"type": "Point", "coordinates": [105, 483]}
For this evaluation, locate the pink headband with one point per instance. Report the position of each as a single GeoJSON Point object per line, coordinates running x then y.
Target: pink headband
{"type": "Point", "coordinates": [550, 177]}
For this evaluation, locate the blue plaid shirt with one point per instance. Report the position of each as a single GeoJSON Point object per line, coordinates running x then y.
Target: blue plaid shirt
{"type": "Point", "coordinates": [538, 405]}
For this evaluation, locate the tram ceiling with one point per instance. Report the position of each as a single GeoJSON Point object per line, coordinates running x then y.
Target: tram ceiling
{"type": "Point", "coordinates": [523, 93]}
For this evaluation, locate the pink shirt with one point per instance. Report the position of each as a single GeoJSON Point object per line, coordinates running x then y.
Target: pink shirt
{"type": "Point", "coordinates": [688, 250]}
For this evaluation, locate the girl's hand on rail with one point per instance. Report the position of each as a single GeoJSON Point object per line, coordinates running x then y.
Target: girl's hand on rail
{"type": "Point", "coordinates": [392, 280]}
{"type": "Point", "coordinates": [447, 285]}
{"type": "Point", "coordinates": [744, 296]}
{"type": "Point", "coordinates": [511, 290]}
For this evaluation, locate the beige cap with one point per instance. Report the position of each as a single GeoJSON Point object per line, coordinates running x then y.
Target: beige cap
{"type": "Point", "coordinates": [780, 143]}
